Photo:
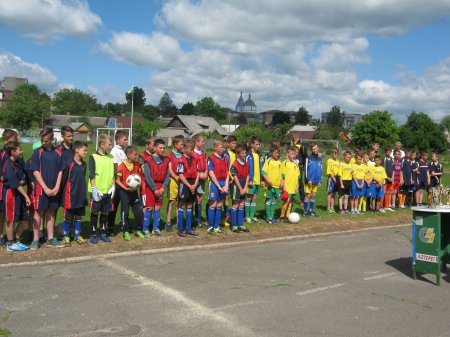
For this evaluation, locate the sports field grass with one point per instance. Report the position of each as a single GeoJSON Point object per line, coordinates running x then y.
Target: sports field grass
{"type": "Point", "coordinates": [260, 212]}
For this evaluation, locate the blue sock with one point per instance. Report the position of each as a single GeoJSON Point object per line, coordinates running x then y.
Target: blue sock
{"type": "Point", "coordinates": [211, 214]}
{"type": "Point", "coordinates": [66, 228]}
{"type": "Point", "coordinates": [199, 213]}
{"type": "Point", "coordinates": [188, 219]}
{"type": "Point", "coordinates": [311, 205]}
{"type": "Point", "coordinates": [156, 219]}
{"type": "Point", "coordinates": [305, 206]}
{"type": "Point", "coordinates": [218, 217]}
{"type": "Point", "coordinates": [240, 217]}
{"type": "Point", "coordinates": [233, 214]}
{"type": "Point", "coordinates": [180, 219]}
{"type": "Point", "coordinates": [226, 209]}
{"type": "Point", "coordinates": [147, 220]}
{"type": "Point", "coordinates": [77, 227]}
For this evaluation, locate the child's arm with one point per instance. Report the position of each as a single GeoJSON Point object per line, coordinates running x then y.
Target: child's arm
{"type": "Point", "coordinates": [213, 178]}
{"type": "Point", "coordinates": [119, 183]}
{"type": "Point", "coordinates": [24, 194]}
{"type": "Point", "coordinates": [55, 190]}
{"type": "Point", "coordinates": [41, 182]}
{"type": "Point", "coordinates": [172, 173]}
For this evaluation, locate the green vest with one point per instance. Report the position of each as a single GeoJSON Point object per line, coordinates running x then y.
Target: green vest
{"type": "Point", "coordinates": [104, 172]}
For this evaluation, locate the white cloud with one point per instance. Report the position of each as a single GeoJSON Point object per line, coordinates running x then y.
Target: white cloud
{"type": "Point", "coordinates": [13, 66]}
{"type": "Point", "coordinates": [158, 50]}
{"type": "Point", "coordinates": [106, 93]}
{"type": "Point", "coordinates": [48, 20]}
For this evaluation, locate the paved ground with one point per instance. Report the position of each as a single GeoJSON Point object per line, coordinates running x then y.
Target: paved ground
{"type": "Point", "coordinates": [341, 285]}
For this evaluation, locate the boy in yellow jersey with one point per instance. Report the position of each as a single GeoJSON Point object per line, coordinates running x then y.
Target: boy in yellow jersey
{"type": "Point", "coordinates": [379, 177]}
{"type": "Point", "coordinates": [346, 174]}
{"type": "Point", "coordinates": [333, 183]}
{"type": "Point", "coordinates": [290, 172]}
{"type": "Point", "coordinates": [358, 184]}
{"type": "Point", "coordinates": [256, 162]}
{"type": "Point", "coordinates": [362, 203]}
{"type": "Point", "coordinates": [271, 173]}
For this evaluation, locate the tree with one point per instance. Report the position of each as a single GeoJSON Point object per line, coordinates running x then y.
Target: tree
{"type": "Point", "coordinates": [244, 133]}
{"type": "Point", "coordinates": [421, 133]}
{"type": "Point", "coordinates": [166, 106]}
{"type": "Point", "coordinates": [281, 117]}
{"type": "Point", "coordinates": [302, 116]}
{"type": "Point", "coordinates": [207, 107]}
{"type": "Point", "coordinates": [138, 96]}
{"type": "Point", "coordinates": [326, 131]}
{"type": "Point", "coordinates": [74, 102]}
{"type": "Point", "coordinates": [27, 108]}
{"type": "Point", "coordinates": [143, 130]}
{"type": "Point", "coordinates": [187, 109]}
{"type": "Point", "coordinates": [336, 117]}
{"type": "Point", "coordinates": [445, 123]}
{"type": "Point", "coordinates": [241, 119]}
{"type": "Point", "coordinates": [377, 126]}
{"type": "Point", "coordinates": [149, 112]}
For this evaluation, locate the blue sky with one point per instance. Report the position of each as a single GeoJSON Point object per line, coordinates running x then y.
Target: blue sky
{"type": "Point", "coordinates": [365, 55]}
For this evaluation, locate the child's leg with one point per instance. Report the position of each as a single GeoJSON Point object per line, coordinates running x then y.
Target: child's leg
{"type": "Point", "coordinates": [345, 201]}
{"type": "Point", "coordinates": [68, 218]}
{"type": "Point", "coordinates": [169, 212]}
{"type": "Point", "coordinates": [19, 230]}
{"type": "Point", "coordinates": [147, 218]}
{"type": "Point", "coordinates": [284, 208]}
{"type": "Point", "coordinates": [198, 208]}
{"type": "Point", "coordinates": [289, 207]}
{"type": "Point", "coordinates": [2, 223]}
{"type": "Point", "coordinates": [429, 196]}
{"type": "Point", "coordinates": [306, 202]}
{"type": "Point", "coordinates": [234, 213]}
{"type": "Point", "coordinates": [393, 198]}
{"type": "Point", "coordinates": [248, 201]}
{"type": "Point", "coordinates": [211, 213]}
{"type": "Point", "coordinates": [240, 213]}
{"type": "Point", "coordinates": [253, 206]}
{"type": "Point", "coordinates": [10, 230]}
{"type": "Point", "coordinates": [226, 209]}
{"type": "Point", "coordinates": [137, 212]}
{"type": "Point", "coordinates": [50, 215]}
{"type": "Point", "coordinates": [267, 204]}
{"type": "Point", "coordinates": [218, 214]}
{"type": "Point", "coordinates": [312, 201]}
{"type": "Point", "coordinates": [77, 226]}
{"type": "Point", "coordinates": [37, 219]}
{"type": "Point", "coordinates": [94, 223]}
{"type": "Point", "coordinates": [125, 208]}
{"type": "Point", "coordinates": [103, 223]}
{"type": "Point", "coordinates": [272, 207]}
{"type": "Point", "coordinates": [341, 202]}
{"type": "Point", "coordinates": [180, 218]}
{"type": "Point", "coordinates": [156, 217]}
{"type": "Point", "coordinates": [189, 216]}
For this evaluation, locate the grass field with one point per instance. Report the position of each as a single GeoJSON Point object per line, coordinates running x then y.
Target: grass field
{"type": "Point", "coordinates": [260, 213]}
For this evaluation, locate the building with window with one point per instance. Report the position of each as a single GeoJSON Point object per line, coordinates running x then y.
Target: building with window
{"type": "Point", "coordinates": [7, 87]}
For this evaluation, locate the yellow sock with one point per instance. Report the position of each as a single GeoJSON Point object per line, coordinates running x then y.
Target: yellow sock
{"type": "Point", "coordinates": [283, 210]}
{"type": "Point", "coordinates": [362, 205]}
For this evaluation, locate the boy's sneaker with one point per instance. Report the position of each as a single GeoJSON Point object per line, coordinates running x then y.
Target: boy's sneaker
{"type": "Point", "coordinates": [255, 220]}
{"type": "Point", "coordinates": [111, 233]}
{"type": "Point", "coordinates": [274, 222]}
{"type": "Point", "coordinates": [313, 214]}
{"type": "Point", "coordinates": [218, 230]}
{"type": "Point", "coordinates": [243, 229]}
{"type": "Point", "coordinates": [305, 213]}
{"type": "Point", "coordinates": [80, 240]}
{"type": "Point", "coordinates": [283, 219]}
{"type": "Point", "coordinates": [211, 231]}
{"type": "Point", "coordinates": [269, 221]}
{"type": "Point", "coordinates": [382, 210]}
{"type": "Point", "coordinates": [14, 247]}
{"type": "Point", "coordinates": [139, 234]}
{"type": "Point", "coordinates": [20, 244]}
{"type": "Point", "coordinates": [235, 229]}
{"type": "Point", "coordinates": [192, 232]}
{"type": "Point", "coordinates": [168, 228]}
{"type": "Point", "coordinates": [347, 211]}
{"type": "Point", "coordinates": [126, 236]}
{"type": "Point", "coordinates": [94, 239]}
{"type": "Point", "coordinates": [182, 233]}
{"type": "Point", "coordinates": [56, 243]}
{"type": "Point", "coordinates": [147, 234]}
{"type": "Point", "coordinates": [3, 241]}
{"type": "Point", "coordinates": [66, 240]}
{"type": "Point", "coordinates": [157, 232]}
{"type": "Point", "coordinates": [248, 220]}
{"type": "Point", "coordinates": [390, 209]}
{"type": "Point", "coordinates": [35, 245]}
{"type": "Point", "coordinates": [42, 240]}
{"type": "Point", "coordinates": [104, 238]}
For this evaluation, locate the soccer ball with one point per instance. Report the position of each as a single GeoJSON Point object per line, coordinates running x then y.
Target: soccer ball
{"type": "Point", "coordinates": [294, 217]}
{"type": "Point", "coordinates": [134, 181]}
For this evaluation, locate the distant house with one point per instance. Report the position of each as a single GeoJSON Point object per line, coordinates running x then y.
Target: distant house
{"type": "Point", "coordinates": [58, 121]}
{"type": "Point", "coordinates": [303, 132]}
{"type": "Point", "coordinates": [123, 121]}
{"type": "Point", "coordinates": [190, 125]}
{"type": "Point", "coordinates": [349, 119]}
{"type": "Point", "coordinates": [230, 128]}
{"type": "Point", "coordinates": [7, 87]}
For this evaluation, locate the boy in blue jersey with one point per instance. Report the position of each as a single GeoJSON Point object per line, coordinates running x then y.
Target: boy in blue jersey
{"type": "Point", "coordinates": [238, 188]}
{"type": "Point", "coordinates": [313, 179]}
{"type": "Point", "coordinates": [46, 164]}
{"type": "Point", "coordinates": [14, 196]}
{"type": "Point", "coordinates": [74, 193]}
{"type": "Point", "coordinates": [66, 146]}
{"type": "Point", "coordinates": [230, 153]}
{"type": "Point", "coordinates": [436, 172]}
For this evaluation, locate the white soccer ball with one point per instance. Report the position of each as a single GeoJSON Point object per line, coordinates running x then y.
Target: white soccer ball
{"type": "Point", "coordinates": [294, 217]}
{"type": "Point", "coordinates": [134, 181]}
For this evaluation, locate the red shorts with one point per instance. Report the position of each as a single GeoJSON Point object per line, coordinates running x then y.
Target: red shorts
{"type": "Point", "coordinates": [149, 198]}
{"type": "Point", "coordinates": [396, 186]}
{"type": "Point", "coordinates": [388, 187]}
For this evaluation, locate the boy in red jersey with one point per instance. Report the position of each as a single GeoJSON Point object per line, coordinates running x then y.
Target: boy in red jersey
{"type": "Point", "coordinates": [156, 173]}
{"type": "Point", "coordinates": [238, 188]}
{"type": "Point", "coordinates": [174, 156]}
{"type": "Point", "coordinates": [397, 177]}
{"type": "Point", "coordinates": [187, 171]}
{"type": "Point", "coordinates": [200, 156]}
{"type": "Point", "coordinates": [218, 186]}
{"type": "Point", "coordinates": [129, 197]}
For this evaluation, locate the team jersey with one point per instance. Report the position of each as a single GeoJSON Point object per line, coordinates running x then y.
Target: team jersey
{"type": "Point", "coordinates": [219, 165]}
{"type": "Point", "coordinates": [174, 159]}
{"type": "Point", "coordinates": [414, 175]}
{"type": "Point", "coordinates": [124, 170]}
{"type": "Point", "coordinates": [272, 168]}
{"type": "Point", "coordinates": [12, 174]}
{"type": "Point", "coordinates": [379, 174]}
{"type": "Point", "coordinates": [346, 171]}
{"type": "Point", "coordinates": [49, 163]}
{"type": "Point", "coordinates": [368, 175]}
{"type": "Point", "coordinates": [102, 169]}
{"type": "Point", "coordinates": [143, 157]}
{"type": "Point", "coordinates": [67, 153]}
{"type": "Point", "coordinates": [436, 168]}
{"type": "Point", "coordinates": [359, 171]}
{"type": "Point", "coordinates": [202, 161]}
{"type": "Point", "coordinates": [240, 170]}
{"type": "Point", "coordinates": [156, 172]}
{"type": "Point", "coordinates": [407, 171]}
{"type": "Point", "coordinates": [3, 158]}
{"type": "Point", "coordinates": [388, 164]}
{"type": "Point", "coordinates": [256, 168]}
{"type": "Point", "coordinates": [74, 190]}
{"type": "Point", "coordinates": [290, 173]}
{"type": "Point", "coordinates": [423, 170]}
{"type": "Point", "coordinates": [397, 170]}
{"type": "Point", "coordinates": [231, 157]}
{"type": "Point", "coordinates": [333, 167]}
{"type": "Point", "coordinates": [188, 167]}
{"type": "Point", "coordinates": [353, 160]}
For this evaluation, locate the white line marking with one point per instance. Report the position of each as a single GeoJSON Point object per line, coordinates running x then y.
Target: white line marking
{"type": "Point", "coordinates": [316, 290]}
{"type": "Point", "coordinates": [195, 308]}
{"type": "Point", "coordinates": [378, 276]}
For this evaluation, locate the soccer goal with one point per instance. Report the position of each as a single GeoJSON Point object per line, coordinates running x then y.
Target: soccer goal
{"type": "Point", "coordinates": [112, 132]}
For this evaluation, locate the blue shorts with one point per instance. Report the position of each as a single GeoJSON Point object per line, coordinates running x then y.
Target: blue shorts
{"type": "Point", "coordinates": [332, 186]}
{"type": "Point", "coordinates": [44, 202]}
{"type": "Point", "coordinates": [379, 192]}
{"type": "Point", "coordinates": [356, 192]}
{"type": "Point", "coordinates": [214, 193]}
{"type": "Point", "coordinates": [371, 190]}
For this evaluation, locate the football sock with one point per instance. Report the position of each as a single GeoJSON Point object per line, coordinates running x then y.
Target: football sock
{"type": "Point", "coordinates": [103, 222]}
{"type": "Point", "coordinates": [289, 209]}
{"type": "Point", "coordinates": [199, 213]}
{"type": "Point", "coordinates": [283, 210]}
{"type": "Point", "coordinates": [252, 209]}
{"type": "Point", "coordinates": [147, 219]}
{"type": "Point", "coordinates": [268, 203]}
{"type": "Point", "coordinates": [77, 226]}
{"type": "Point", "coordinates": [211, 217]}
{"type": "Point", "coordinates": [272, 208]}
{"type": "Point", "coordinates": [240, 217]}
{"type": "Point", "coordinates": [218, 217]}
{"type": "Point", "coordinates": [247, 208]}
{"type": "Point", "coordinates": [233, 214]}
{"type": "Point", "coordinates": [180, 219]}
{"type": "Point", "coordinates": [94, 221]}
{"type": "Point", "coordinates": [311, 205]}
{"type": "Point", "coordinates": [66, 228]}
{"type": "Point", "coordinates": [156, 219]}
{"type": "Point", "coordinates": [188, 219]}
{"type": "Point", "coordinates": [305, 206]}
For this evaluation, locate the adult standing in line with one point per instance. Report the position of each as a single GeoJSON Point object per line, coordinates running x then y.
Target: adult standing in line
{"type": "Point", "coordinates": [301, 158]}
{"type": "Point", "coordinates": [398, 146]}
